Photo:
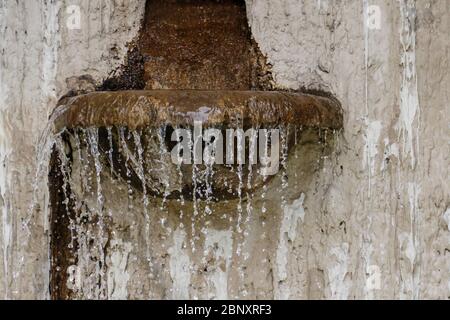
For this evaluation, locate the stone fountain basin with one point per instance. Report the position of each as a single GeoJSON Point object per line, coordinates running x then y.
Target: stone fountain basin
{"type": "Point", "coordinates": [146, 112]}
{"type": "Point", "coordinates": [137, 109]}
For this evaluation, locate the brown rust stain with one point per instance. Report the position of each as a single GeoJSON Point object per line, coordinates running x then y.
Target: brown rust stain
{"type": "Point", "coordinates": [196, 45]}
{"type": "Point", "coordinates": [61, 256]}
{"type": "Point", "coordinates": [193, 44]}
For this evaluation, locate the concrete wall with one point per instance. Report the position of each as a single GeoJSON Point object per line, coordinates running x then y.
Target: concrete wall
{"type": "Point", "coordinates": [373, 223]}
{"type": "Point", "coordinates": [392, 194]}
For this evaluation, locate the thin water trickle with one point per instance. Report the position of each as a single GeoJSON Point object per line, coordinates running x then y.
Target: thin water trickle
{"type": "Point", "coordinates": [284, 135]}
{"type": "Point", "coordinates": [111, 151]}
{"type": "Point", "coordinates": [67, 182]}
{"type": "Point", "coordinates": [145, 199]}
{"type": "Point", "coordinates": [239, 192]}
{"type": "Point", "coordinates": [101, 244]}
{"type": "Point", "coordinates": [181, 199]}
{"type": "Point", "coordinates": [124, 150]}
{"type": "Point", "coordinates": [195, 203]}
{"type": "Point", "coordinates": [264, 150]}
{"type": "Point", "coordinates": [78, 147]}
{"type": "Point", "coordinates": [249, 195]}
{"type": "Point", "coordinates": [209, 176]}
{"type": "Point", "coordinates": [296, 138]}
{"type": "Point", "coordinates": [44, 150]}
{"type": "Point", "coordinates": [162, 153]}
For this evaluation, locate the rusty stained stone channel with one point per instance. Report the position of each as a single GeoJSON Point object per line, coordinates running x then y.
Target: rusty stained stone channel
{"type": "Point", "coordinates": [193, 44]}
{"type": "Point", "coordinates": [199, 44]}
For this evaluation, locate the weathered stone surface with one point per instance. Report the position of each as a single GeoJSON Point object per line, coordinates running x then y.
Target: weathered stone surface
{"type": "Point", "coordinates": [378, 207]}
